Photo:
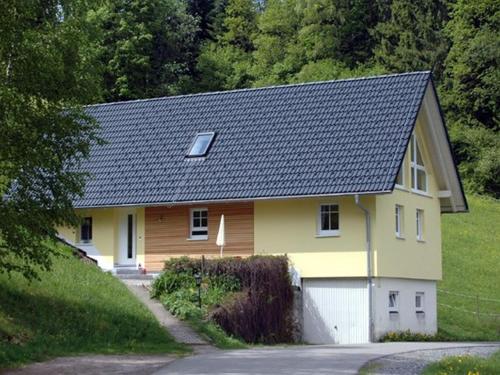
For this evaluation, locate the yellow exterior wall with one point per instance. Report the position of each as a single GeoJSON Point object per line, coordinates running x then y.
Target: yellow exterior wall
{"type": "Point", "coordinates": [290, 227]}
{"type": "Point", "coordinates": [407, 257]}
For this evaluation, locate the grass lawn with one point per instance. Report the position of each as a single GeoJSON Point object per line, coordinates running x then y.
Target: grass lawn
{"type": "Point", "coordinates": [76, 308]}
{"type": "Point", "coordinates": [215, 334]}
{"type": "Point", "coordinates": [471, 266]}
{"type": "Point", "coordinates": [465, 365]}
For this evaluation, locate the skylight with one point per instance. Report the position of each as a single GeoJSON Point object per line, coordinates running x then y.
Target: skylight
{"type": "Point", "coordinates": [201, 144]}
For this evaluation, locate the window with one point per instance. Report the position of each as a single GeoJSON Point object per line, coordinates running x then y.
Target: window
{"type": "Point", "coordinates": [86, 230]}
{"type": "Point", "coordinates": [393, 301]}
{"type": "Point", "coordinates": [399, 221]}
{"type": "Point", "coordinates": [418, 173]}
{"type": "Point", "coordinates": [420, 225]}
{"type": "Point", "coordinates": [419, 302]}
{"type": "Point", "coordinates": [201, 144]}
{"type": "Point", "coordinates": [400, 179]}
{"type": "Point", "coordinates": [329, 220]}
{"type": "Point", "coordinates": [199, 224]}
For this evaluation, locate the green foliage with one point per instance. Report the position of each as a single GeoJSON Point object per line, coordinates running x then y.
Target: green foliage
{"type": "Point", "coordinates": [225, 63]}
{"type": "Point", "coordinates": [470, 266]}
{"type": "Point", "coordinates": [408, 336]}
{"type": "Point", "coordinates": [410, 35]}
{"type": "Point", "coordinates": [146, 47]}
{"type": "Point", "coordinates": [75, 308]}
{"type": "Point", "coordinates": [47, 69]}
{"type": "Point", "coordinates": [471, 92]}
{"type": "Point", "coordinates": [465, 364]}
{"type": "Point", "coordinates": [249, 298]}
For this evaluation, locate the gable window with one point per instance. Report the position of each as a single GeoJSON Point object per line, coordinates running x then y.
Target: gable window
{"type": "Point", "coordinates": [199, 224]}
{"type": "Point", "coordinates": [201, 144]}
{"type": "Point", "coordinates": [400, 179]}
{"type": "Point", "coordinates": [328, 220]}
{"type": "Point", "coordinates": [86, 230]}
{"type": "Point", "coordinates": [418, 172]}
{"type": "Point", "coordinates": [420, 224]}
{"type": "Point", "coordinates": [419, 302]}
{"type": "Point", "coordinates": [393, 301]}
{"type": "Point", "coordinates": [399, 221]}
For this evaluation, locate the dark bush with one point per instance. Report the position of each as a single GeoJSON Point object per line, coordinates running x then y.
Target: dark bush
{"type": "Point", "coordinates": [260, 297]}
{"type": "Point", "coordinates": [262, 313]}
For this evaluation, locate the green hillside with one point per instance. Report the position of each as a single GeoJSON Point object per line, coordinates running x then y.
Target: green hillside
{"type": "Point", "coordinates": [471, 271]}
{"type": "Point", "coordinates": [76, 308]}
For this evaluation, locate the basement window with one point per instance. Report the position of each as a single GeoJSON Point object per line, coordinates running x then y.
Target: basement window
{"type": "Point", "coordinates": [419, 302]}
{"type": "Point", "coordinates": [86, 230]}
{"type": "Point", "coordinates": [393, 302]}
{"type": "Point", "coordinates": [201, 144]}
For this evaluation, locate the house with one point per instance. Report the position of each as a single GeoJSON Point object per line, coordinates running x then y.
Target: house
{"type": "Point", "coordinates": [348, 178]}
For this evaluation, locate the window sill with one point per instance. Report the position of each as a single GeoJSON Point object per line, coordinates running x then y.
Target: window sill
{"type": "Point", "coordinates": [420, 240]}
{"type": "Point", "coordinates": [401, 187]}
{"type": "Point", "coordinates": [88, 243]}
{"type": "Point", "coordinates": [400, 237]}
{"type": "Point", "coordinates": [199, 238]}
{"type": "Point", "coordinates": [422, 193]}
{"type": "Point", "coordinates": [326, 235]}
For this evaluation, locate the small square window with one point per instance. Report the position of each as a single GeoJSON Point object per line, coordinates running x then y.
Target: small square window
{"type": "Point", "coordinates": [393, 301]}
{"type": "Point", "coordinates": [328, 220]}
{"type": "Point", "coordinates": [86, 230]}
{"type": "Point", "coordinates": [199, 224]}
{"type": "Point", "coordinates": [201, 144]}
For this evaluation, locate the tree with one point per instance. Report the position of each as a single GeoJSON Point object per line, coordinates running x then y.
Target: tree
{"type": "Point", "coordinates": [275, 42]}
{"type": "Point", "coordinates": [410, 35]}
{"type": "Point", "coordinates": [46, 70]}
{"type": "Point", "coordinates": [225, 63]}
{"type": "Point", "coordinates": [471, 91]}
{"type": "Point", "coordinates": [338, 30]}
{"type": "Point", "coordinates": [147, 47]}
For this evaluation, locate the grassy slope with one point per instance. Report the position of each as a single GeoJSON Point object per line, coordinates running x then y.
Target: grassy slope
{"type": "Point", "coordinates": [76, 308]}
{"type": "Point", "coordinates": [465, 365]}
{"type": "Point", "coordinates": [471, 265]}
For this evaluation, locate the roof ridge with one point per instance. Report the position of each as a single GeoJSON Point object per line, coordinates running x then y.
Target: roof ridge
{"type": "Point", "coordinates": [428, 72]}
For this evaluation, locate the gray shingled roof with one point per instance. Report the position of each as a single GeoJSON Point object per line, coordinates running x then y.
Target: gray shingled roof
{"type": "Point", "coordinates": [336, 137]}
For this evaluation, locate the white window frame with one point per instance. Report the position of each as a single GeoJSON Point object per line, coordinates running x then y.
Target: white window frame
{"type": "Point", "coordinates": [393, 304]}
{"type": "Point", "coordinates": [192, 228]}
{"type": "Point", "coordinates": [419, 221]}
{"type": "Point", "coordinates": [399, 220]}
{"type": "Point", "coordinates": [420, 308]}
{"type": "Point", "coordinates": [415, 167]}
{"type": "Point", "coordinates": [331, 232]}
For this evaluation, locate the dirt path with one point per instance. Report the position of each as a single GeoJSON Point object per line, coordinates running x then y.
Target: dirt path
{"type": "Point", "coordinates": [97, 364]}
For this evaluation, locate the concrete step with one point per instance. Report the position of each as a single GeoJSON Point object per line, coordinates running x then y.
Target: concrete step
{"type": "Point", "coordinates": [127, 271]}
{"type": "Point", "coordinates": [138, 276]}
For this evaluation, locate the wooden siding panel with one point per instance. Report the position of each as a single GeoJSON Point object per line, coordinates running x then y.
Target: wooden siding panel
{"type": "Point", "coordinates": [167, 232]}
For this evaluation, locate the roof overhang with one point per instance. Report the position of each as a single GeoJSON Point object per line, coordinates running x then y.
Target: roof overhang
{"type": "Point", "coordinates": [451, 194]}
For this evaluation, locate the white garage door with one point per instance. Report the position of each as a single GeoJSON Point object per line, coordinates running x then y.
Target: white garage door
{"type": "Point", "coordinates": [335, 311]}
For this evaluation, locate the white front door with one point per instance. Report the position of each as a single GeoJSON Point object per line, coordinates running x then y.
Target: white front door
{"type": "Point", "coordinates": [127, 238]}
{"type": "Point", "coordinates": [335, 311]}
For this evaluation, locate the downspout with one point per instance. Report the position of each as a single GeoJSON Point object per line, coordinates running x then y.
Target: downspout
{"type": "Point", "coordinates": [368, 265]}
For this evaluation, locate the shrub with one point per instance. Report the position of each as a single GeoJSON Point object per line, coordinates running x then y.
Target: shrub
{"type": "Point", "coordinates": [249, 298]}
{"type": "Point", "coordinates": [410, 336]}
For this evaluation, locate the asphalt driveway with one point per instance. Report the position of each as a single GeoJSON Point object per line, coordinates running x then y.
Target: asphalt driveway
{"type": "Point", "coordinates": [298, 360]}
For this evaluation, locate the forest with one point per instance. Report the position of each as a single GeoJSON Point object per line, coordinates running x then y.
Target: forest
{"type": "Point", "coordinates": [66, 53]}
